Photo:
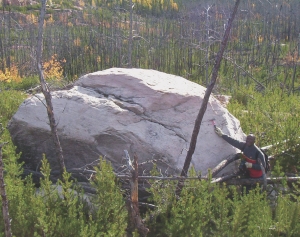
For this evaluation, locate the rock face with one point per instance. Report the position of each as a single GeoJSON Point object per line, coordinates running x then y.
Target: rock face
{"type": "Point", "coordinates": [143, 111]}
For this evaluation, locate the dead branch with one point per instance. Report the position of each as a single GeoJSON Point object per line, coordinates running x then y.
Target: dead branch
{"type": "Point", "coordinates": [228, 178]}
{"type": "Point", "coordinates": [223, 178]}
{"type": "Point", "coordinates": [278, 143]}
{"type": "Point", "coordinates": [136, 221]}
{"type": "Point", "coordinates": [83, 174]}
{"type": "Point", "coordinates": [271, 180]}
{"type": "Point", "coordinates": [157, 177]}
{"type": "Point", "coordinates": [231, 179]}
{"type": "Point", "coordinates": [245, 71]}
{"type": "Point", "coordinates": [223, 164]}
{"type": "Point", "coordinates": [285, 152]}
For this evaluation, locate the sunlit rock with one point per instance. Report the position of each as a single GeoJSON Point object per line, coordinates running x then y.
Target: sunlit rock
{"type": "Point", "coordinates": [146, 112]}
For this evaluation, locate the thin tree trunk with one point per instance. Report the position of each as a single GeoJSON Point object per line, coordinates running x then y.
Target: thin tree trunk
{"type": "Point", "coordinates": [202, 110]}
{"type": "Point", "coordinates": [46, 91]}
{"type": "Point", "coordinates": [5, 211]}
{"type": "Point", "coordinates": [133, 205]}
{"type": "Point", "coordinates": [130, 36]}
{"type": "Point", "coordinates": [9, 40]}
{"type": "Point", "coordinates": [292, 86]}
{"type": "Point", "coordinates": [207, 46]}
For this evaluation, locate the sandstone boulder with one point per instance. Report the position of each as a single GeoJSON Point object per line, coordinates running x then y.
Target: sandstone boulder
{"type": "Point", "coordinates": [144, 111]}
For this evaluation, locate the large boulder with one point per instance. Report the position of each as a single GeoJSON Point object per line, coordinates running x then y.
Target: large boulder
{"type": "Point", "coordinates": [146, 112]}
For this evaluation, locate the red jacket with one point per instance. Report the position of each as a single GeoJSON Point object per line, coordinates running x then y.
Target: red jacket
{"type": "Point", "coordinates": [252, 172]}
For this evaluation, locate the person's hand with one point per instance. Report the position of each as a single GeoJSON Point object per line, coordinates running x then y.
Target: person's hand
{"type": "Point", "coordinates": [248, 165]}
{"type": "Point", "coordinates": [218, 131]}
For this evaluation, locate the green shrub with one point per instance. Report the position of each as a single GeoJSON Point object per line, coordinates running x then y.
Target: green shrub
{"type": "Point", "coordinates": [51, 212]}
{"type": "Point", "coordinates": [10, 101]}
{"type": "Point", "coordinates": [26, 83]}
{"type": "Point", "coordinates": [110, 215]}
{"type": "Point", "coordinates": [273, 117]}
{"type": "Point", "coordinates": [287, 217]}
{"type": "Point", "coordinates": [206, 209]}
{"type": "Point", "coordinates": [251, 215]}
{"type": "Point", "coordinates": [201, 210]}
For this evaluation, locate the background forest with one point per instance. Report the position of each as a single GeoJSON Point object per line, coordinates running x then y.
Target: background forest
{"type": "Point", "coordinates": [260, 71]}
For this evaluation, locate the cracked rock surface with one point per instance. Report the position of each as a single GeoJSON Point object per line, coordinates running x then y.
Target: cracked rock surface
{"type": "Point", "coordinates": [144, 111]}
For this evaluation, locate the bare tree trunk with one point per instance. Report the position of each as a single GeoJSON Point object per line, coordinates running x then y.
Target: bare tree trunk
{"type": "Point", "coordinates": [6, 42]}
{"type": "Point", "coordinates": [202, 110]}
{"type": "Point", "coordinates": [2, 40]}
{"type": "Point", "coordinates": [4, 199]}
{"type": "Point", "coordinates": [207, 46]}
{"type": "Point", "coordinates": [8, 52]}
{"type": "Point", "coordinates": [46, 91]}
{"type": "Point", "coordinates": [130, 36]}
{"type": "Point", "coordinates": [135, 218]}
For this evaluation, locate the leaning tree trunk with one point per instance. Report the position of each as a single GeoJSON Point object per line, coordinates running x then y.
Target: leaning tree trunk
{"type": "Point", "coordinates": [202, 110]}
{"type": "Point", "coordinates": [46, 91]}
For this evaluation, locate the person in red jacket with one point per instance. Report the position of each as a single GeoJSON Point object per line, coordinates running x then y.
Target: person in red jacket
{"type": "Point", "coordinates": [252, 157]}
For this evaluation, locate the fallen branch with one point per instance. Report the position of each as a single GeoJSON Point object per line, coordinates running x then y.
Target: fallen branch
{"type": "Point", "coordinates": [230, 179]}
{"type": "Point", "coordinates": [278, 143]}
{"type": "Point", "coordinates": [223, 178]}
{"type": "Point", "coordinates": [271, 180]}
{"type": "Point", "coordinates": [223, 164]}
{"type": "Point", "coordinates": [158, 177]}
